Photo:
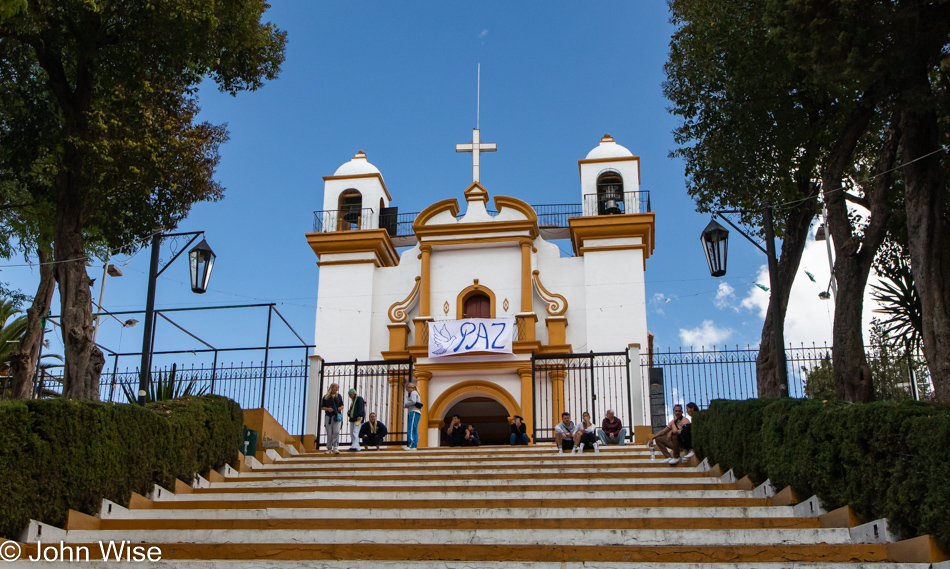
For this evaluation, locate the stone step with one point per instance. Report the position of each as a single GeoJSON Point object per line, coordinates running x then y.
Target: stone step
{"type": "Point", "coordinates": [368, 495]}
{"type": "Point", "coordinates": [300, 555]}
{"type": "Point", "coordinates": [497, 523]}
{"type": "Point", "coordinates": [206, 511]}
{"type": "Point", "coordinates": [452, 564]}
{"type": "Point", "coordinates": [492, 537]}
{"type": "Point", "coordinates": [566, 463]}
{"type": "Point", "coordinates": [428, 474]}
{"type": "Point", "coordinates": [345, 485]}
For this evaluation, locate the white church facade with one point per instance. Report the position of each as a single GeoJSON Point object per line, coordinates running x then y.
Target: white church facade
{"type": "Point", "coordinates": [389, 282]}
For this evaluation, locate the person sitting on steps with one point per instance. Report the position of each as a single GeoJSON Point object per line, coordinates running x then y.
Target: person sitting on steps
{"type": "Point", "coordinates": [455, 432]}
{"type": "Point", "coordinates": [519, 431]}
{"type": "Point", "coordinates": [668, 440]}
{"type": "Point", "coordinates": [471, 437]}
{"type": "Point", "coordinates": [564, 433]}
{"type": "Point", "coordinates": [686, 437]}
{"type": "Point", "coordinates": [373, 432]}
{"type": "Point", "coordinates": [586, 437]}
{"type": "Point", "coordinates": [612, 431]}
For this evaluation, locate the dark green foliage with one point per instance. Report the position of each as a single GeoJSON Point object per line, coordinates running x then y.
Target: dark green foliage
{"type": "Point", "coordinates": [886, 459]}
{"type": "Point", "coordinates": [58, 455]}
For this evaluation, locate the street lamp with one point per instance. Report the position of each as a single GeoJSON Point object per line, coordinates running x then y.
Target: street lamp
{"type": "Point", "coordinates": [201, 260]}
{"type": "Point", "coordinates": [715, 239]}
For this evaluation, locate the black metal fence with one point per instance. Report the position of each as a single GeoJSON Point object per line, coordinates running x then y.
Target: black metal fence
{"type": "Point", "coordinates": [576, 383]}
{"type": "Point", "coordinates": [701, 375]}
{"type": "Point", "coordinates": [280, 386]}
{"type": "Point", "coordinates": [382, 384]}
{"type": "Point", "coordinates": [350, 219]}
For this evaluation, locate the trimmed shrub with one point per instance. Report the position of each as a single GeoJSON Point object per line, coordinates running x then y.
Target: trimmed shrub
{"type": "Point", "coordinates": [885, 459]}
{"type": "Point", "coordinates": [57, 455]}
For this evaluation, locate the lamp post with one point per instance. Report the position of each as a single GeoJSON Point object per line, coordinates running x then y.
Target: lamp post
{"type": "Point", "coordinates": [201, 260]}
{"type": "Point", "coordinates": [715, 240]}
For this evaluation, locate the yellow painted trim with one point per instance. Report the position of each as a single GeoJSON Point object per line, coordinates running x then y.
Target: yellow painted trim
{"type": "Point", "coordinates": [473, 386]}
{"type": "Point", "coordinates": [425, 255]}
{"type": "Point", "coordinates": [473, 366]}
{"type": "Point", "coordinates": [476, 192]}
{"type": "Point", "coordinates": [503, 202]}
{"type": "Point", "coordinates": [549, 297]}
{"type": "Point", "coordinates": [595, 248]}
{"type": "Point", "coordinates": [476, 240]}
{"type": "Point", "coordinates": [470, 291]}
{"type": "Point", "coordinates": [450, 229]}
{"type": "Point", "coordinates": [367, 240]}
{"type": "Point", "coordinates": [355, 176]}
{"type": "Point", "coordinates": [450, 205]}
{"type": "Point", "coordinates": [398, 312]}
{"type": "Point", "coordinates": [603, 160]}
{"type": "Point", "coordinates": [349, 261]}
{"type": "Point", "coordinates": [642, 225]}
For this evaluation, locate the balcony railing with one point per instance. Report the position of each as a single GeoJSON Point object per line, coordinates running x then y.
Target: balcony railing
{"type": "Point", "coordinates": [350, 219]}
{"type": "Point", "coordinates": [556, 215]}
{"type": "Point", "coordinates": [399, 224]}
{"type": "Point", "coordinates": [612, 204]}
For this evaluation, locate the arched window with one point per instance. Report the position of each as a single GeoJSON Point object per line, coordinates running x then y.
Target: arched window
{"type": "Point", "coordinates": [477, 305]}
{"type": "Point", "coordinates": [609, 193]}
{"type": "Point", "coordinates": [350, 210]}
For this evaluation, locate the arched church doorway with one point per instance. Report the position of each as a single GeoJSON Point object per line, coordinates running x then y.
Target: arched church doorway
{"type": "Point", "coordinates": [489, 417]}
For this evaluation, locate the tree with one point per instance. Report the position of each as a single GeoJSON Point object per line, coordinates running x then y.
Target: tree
{"type": "Point", "coordinates": [748, 137]}
{"type": "Point", "coordinates": [97, 119]}
{"type": "Point", "coordinates": [888, 61]}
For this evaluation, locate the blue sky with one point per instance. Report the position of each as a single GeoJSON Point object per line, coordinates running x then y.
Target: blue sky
{"type": "Point", "coordinates": [398, 80]}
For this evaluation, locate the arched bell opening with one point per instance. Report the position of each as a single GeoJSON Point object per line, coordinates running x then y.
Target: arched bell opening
{"type": "Point", "coordinates": [610, 193]}
{"type": "Point", "coordinates": [350, 210]}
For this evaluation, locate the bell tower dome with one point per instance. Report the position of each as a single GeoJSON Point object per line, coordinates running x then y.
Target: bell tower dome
{"type": "Point", "coordinates": [610, 180]}
{"type": "Point", "coordinates": [354, 196]}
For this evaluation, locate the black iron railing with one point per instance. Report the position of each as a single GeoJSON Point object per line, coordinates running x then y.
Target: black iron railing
{"type": "Point", "coordinates": [348, 219]}
{"type": "Point", "coordinates": [593, 382]}
{"type": "Point", "coordinates": [556, 215]}
{"type": "Point", "coordinates": [398, 225]}
{"type": "Point", "coordinates": [382, 384]}
{"type": "Point", "coordinates": [610, 204]}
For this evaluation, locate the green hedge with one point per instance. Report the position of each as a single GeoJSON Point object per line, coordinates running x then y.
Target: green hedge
{"type": "Point", "coordinates": [57, 455]}
{"type": "Point", "coordinates": [886, 459]}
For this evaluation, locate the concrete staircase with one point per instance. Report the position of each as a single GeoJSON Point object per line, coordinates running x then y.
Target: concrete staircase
{"type": "Point", "coordinates": [489, 507]}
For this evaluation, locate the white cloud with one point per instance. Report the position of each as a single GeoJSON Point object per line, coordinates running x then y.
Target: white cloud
{"type": "Point", "coordinates": [657, 301]}
{"type": "Point", "coordinates": [483, 34]}
{"type": "Point", "coordinates": [808, 319]}
{"type": "Point", "coordinates": [725, 297]}
{"type": "Point", "coordinates": [705, 335]}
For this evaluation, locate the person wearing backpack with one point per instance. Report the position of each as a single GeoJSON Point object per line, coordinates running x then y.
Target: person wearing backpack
{"type": "Point", "coordinates": [414, 405]}
{"type": "Point", "coordinates": [332, 407]}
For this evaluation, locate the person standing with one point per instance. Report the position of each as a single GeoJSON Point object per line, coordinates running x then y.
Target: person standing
{"type": "Point", "coordinates": [356, 414]}
{"type": "Point", "coordinates": [332, 407]}
{"type": "Point", "coordinates": [414, 405]}
{"type": "Point", "coordinates": [373, 432]}
{"type": "Point", "coordinates": [519, 431]}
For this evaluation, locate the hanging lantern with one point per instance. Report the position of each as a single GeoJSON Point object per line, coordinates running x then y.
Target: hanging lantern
{"type": "Point", "coordinates": [201, 260]}
{"type": "Point", "coordinates": [715, 239]}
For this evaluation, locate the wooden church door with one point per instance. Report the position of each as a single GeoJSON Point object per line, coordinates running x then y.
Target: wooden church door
{"type": "Point", "coordinates": [477, 306]}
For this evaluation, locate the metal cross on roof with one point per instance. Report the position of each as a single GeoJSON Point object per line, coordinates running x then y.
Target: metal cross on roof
{"type": "Point", "coordinates": [476, 147]}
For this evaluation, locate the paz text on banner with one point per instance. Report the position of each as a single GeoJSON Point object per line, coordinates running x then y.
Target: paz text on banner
{"type": "Point", "coordinates": [454, 337]}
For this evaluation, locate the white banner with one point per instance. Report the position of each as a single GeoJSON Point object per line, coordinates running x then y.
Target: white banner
{"type": "Point", "coordinates": [454, 337]}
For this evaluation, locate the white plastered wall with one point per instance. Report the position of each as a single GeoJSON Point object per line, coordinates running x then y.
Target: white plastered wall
{"type": "Point", "coordinates": [344, 311]}
{"type": "Point", "coordinates": [454, 269]}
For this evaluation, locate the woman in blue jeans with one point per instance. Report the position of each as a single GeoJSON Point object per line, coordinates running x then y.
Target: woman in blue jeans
{"type": "Point", "coordinates": [414, 405]}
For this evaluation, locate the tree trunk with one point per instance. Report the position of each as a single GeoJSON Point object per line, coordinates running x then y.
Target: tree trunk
{"type": "Point", "coordinates": [928, 237]}
{"type": "Point", "coordinates": [797, 223]}
{"type": "Point", "coordinates": [854, 256]}
{"type": "Point", "coordinates": [23, 362]}
{"type": "Point", "coordinates": [84, 360]}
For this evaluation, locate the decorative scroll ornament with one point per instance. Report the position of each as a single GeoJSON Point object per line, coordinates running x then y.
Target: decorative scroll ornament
{"type": "Point", "coordinates": [557, 304]}
{"type": "Point", "coordinates": [399, 312]}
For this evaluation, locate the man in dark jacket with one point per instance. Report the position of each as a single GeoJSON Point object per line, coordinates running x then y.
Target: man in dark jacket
{"type": "Point", "coordinates": [612, 431]}
{"type": "Point", "coordinates": [455, 432]}
{"type": "Point", "coordinates": [373, 432]}
{"type": "Point", "coordinates": [356, 414]}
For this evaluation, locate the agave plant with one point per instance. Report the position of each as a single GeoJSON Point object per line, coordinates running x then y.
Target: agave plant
{"type": "Point", "coordinates": [163, 387]}
{"type": "Point", "coordinates": [900, 303]}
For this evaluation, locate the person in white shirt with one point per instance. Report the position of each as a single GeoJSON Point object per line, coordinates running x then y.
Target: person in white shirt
{"type": "Point", "coordinates": [564, 433]}
{"type": "Point", "coordinates": [586, 434]}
